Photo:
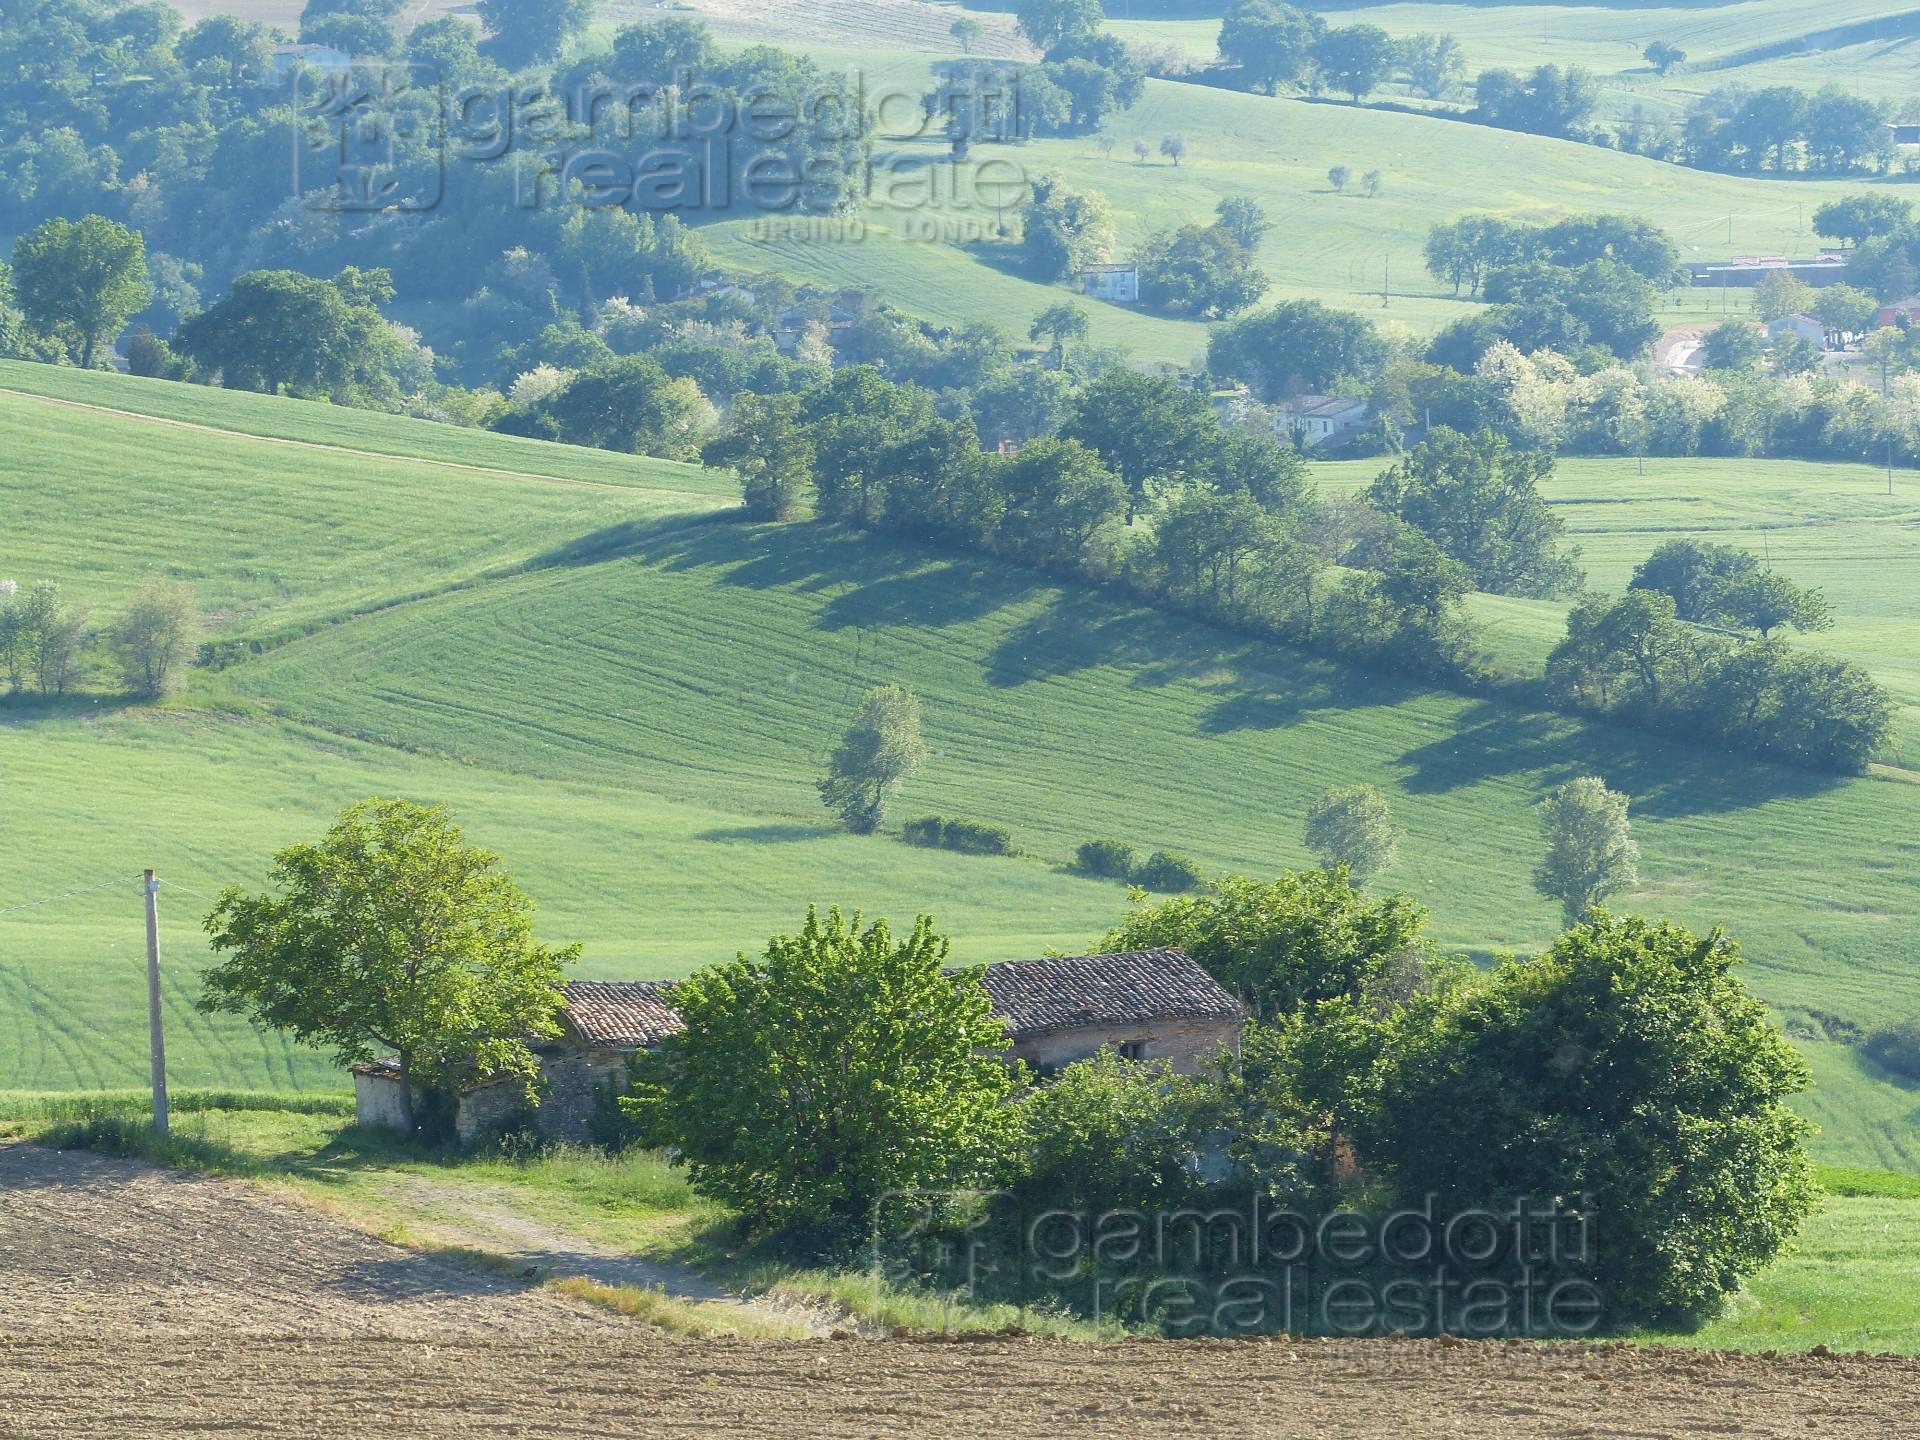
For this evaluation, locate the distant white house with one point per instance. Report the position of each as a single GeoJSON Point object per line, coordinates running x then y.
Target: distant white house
{"type": "Point", "coordinates": [1118, 283]}
{"type": "Point", "coordinates": [1315, 419]}
{"type": "Point", "coordinates": [323, 58]}
{"type": "Point", "coordinates": [1805, 326]}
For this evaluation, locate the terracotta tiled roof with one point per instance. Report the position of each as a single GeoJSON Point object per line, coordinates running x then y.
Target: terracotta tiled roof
{"type": "Point", "coordinates": [1034, 997]}
{"type": "Point", "coordinates": [620, 1014]}
{"type": "Point", "coordinates": [1038, 997]}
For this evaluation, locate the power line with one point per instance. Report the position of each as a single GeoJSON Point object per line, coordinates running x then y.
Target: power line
{"type": "Point", "coordinates": [69, 894]}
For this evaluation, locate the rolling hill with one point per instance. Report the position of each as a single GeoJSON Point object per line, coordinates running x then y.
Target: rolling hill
{"type": "Point", "coordinates": [1341, 248]}
{"type": "Point", "coordinates": [628, 692]}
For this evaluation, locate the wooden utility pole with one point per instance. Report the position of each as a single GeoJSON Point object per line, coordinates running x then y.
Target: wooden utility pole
{"type": "Point", "coordinates": [156, 1036]}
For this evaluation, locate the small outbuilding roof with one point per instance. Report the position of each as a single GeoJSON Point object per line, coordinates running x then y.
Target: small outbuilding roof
{"type": "Point", "coordinates": [620, 1014]}
{"type": "Point", "coordinates": [1071, 992]}
{"type": "Point", "coordinates": [1034, 997]}
{"type": "Point", "coordinates": [1315, 406]}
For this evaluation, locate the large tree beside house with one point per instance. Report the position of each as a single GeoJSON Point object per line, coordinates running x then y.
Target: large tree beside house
{"type": "Point", "coordinates": [840, 1064]}
{"type": "Point", "coordinates": [392, 935]}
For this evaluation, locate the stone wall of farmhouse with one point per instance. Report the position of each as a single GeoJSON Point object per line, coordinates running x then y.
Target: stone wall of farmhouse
{"type": "Point", "coordinates": [1189, 1044]}
{"type": "Point", "coordinates": [568, 1080]}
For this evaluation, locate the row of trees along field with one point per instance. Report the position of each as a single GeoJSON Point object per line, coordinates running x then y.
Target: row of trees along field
{"type": "Point", "coordinates": [1273, 48]}
{"type": "Point", "coordinates": [844, 1062]}
{"type": "Point", "coordinates": [1237, 537]}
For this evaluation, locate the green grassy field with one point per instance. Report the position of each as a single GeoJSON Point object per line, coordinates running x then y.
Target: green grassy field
{"type": "Point", "coordinates": [1340, 248]}
{"type": "Point", "coordinates": [1829, 525]}
{"type": "Point", "coordinates": [635, 721]}
{"type": "Point", "coordinates": [1726, 44]}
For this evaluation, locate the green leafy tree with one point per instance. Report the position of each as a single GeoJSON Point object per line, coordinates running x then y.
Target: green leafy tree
{"type": "Point", "coordinates": [1627, 1069]}
{"type": "Point", "coordinates": [1434, 64]}
{"type": "Point", "coordinates": [1272, 43]}
{"type": "Point", "coordinates": [1663, 56]}
{"type": "Point", "coordinates": [654, 51]}
{"type": "Point", "coordinates": [1732, 345]}
{"type": "Point", "coordinates": [1353, 827]}
{"type": "Point", "coordinates": [1047, 24]}
{"type": "Point", "coordinates": [838, 1065]}
{"type": "Point", "coordinates": [392, 933]}
{"type": "Point", "coordinates": [1338, 175]}
{"type": "Point", "coordinates": [1688, 572]}
{"type": "Point", "coordinates": [527, 32]}
{"type": "Point", "coordinates": [49, 636]}
{"type": "Point", "coordinates": [280, 331]}
{"type": "Point", "coordinates": [1862, 217]}
{"type": "Point", "coordinates": [859, 421]}
{"type": "Point", "coordinates": [1112, 1134]}
{"type": "Point", "coordinates": [1480, 501]}
{"type": "Point", "coordinates": [1782, 294]}
{"type": "Point", "coordinates": [1355, 58]}
{"type": "Point", "coordinates": [1764, 601]}
{"type": "Point", "coordinates": [1242, 218]}
{"type": "Point", "coordinates": [632, 405]}
{"type": "Point", "coordinates": [1198, 270]}
{"type": "Point", "coordinates": [1147, 428]}
{"type": "Point", "coordinates": [77, 281]}
{"type": "Point", "coordinates": [1295, 345]}
{"type": "Point", "coordinates": [766, 444]}
{"type": "Point", "coordinates": [1289, 944]}
{"type": "Point", "coordinates": [226, 47]}
{"type": "Point", "coordinates": [155, 636]}
{"type": "Point", "coordinates": [879, 753]}
{"type": "Point", "coordinates": [1059, 496]}
{"type": "Point", "coordinates": [966, 30]}
{"type": "Point", "coordinates": [1174, 147]}
{"type": "Point", "coordinates": [1060, 324]}
{"type": "Point", "coordinates": [1844, 309]}
{"type": "Point", "coordinates": [1063, 230]}
{"type": "Point", "coordinates": [1591, 854]}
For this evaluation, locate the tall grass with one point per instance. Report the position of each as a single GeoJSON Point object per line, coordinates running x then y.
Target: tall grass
{"type": "Point", "coordinates": [85, 1105]}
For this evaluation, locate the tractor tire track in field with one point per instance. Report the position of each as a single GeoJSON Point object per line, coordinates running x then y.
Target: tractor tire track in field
{"type": "Point", "coordinates": [139, 1302]}
{"type": "Point", "coordinates": [525, 476]}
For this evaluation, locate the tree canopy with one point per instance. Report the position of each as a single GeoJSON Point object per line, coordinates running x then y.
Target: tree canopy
{"type": "Point", "coordinates": [391, 933]}
{"type": "Point", "coordinates": [839, 1064]}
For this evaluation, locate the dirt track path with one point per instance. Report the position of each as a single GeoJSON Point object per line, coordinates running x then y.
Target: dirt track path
{"type": "Point", "coordinates": [136, 1302]}
{"type": "Point", "coordinates": [485, 1217]}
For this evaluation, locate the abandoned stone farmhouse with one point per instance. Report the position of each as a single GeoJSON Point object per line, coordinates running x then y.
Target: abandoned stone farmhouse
{"type": "Point", "coordinates": [1146, 1004]}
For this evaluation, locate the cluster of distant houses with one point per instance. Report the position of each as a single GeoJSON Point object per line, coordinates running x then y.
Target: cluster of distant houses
{"type": "Point", "coordinates": [1143, 1004]}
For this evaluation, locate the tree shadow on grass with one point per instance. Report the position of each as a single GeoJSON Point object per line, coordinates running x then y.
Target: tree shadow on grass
{"type": "Point", "coordinates": [773, 833]}
{"type": "Point", "coordinates": [1665, 778]}
{"type": "Point", "coordinates": [877, 581]}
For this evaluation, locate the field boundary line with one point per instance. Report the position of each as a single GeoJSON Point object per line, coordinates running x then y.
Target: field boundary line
{"type": "Point", "coordinates": [523, 475]}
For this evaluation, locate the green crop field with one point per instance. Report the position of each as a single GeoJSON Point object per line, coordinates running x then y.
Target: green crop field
{"type": "Point", "coordinates": [1830, 525]}
{"type": "Point", "coordinates": [629, 694]}
{"type": "Point", "coordinates": [1341, 248]}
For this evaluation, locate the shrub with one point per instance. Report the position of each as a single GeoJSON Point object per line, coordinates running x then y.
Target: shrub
{"type": "Point", "coordinates": [1169, 872]}
{"type": "Point", "coordinates": [1114, 859]}
{"type": "Point", "coordinates": [924, 831]}
{"type": "Point", "coordinates": [974, 837]}
{"type": "Point", "coordinates": [1897, 1048]}
{"type": "Point", "coordinates": [1111, 1133]}
{"type": "Point", "coordinates": [969, 837]}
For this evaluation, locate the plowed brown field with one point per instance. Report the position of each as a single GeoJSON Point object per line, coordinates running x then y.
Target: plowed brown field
{"type": "Point", "coordinates": [138, 1302]}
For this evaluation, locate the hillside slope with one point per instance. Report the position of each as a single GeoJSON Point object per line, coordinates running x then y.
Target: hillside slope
{"type": "Point", "coordinates": [636, 718]}
{"type": "Point", "coordinates": [1341, 248]}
